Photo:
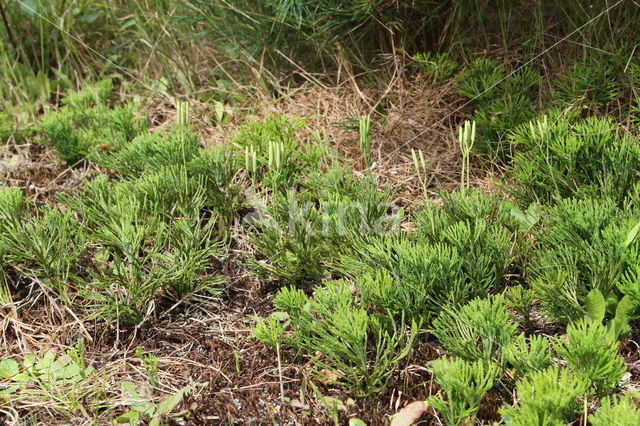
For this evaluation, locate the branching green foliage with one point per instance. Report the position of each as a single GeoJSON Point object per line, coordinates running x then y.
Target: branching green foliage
{"type": "Point", "coordinates": [169, 171]}
{"type": "Point", "coordinates": [273, 154]}
{"type": "Point", "coordinates": [616, 411]}
{"type": "Point", "coordinates": [47, 246]}
{"type": "Point", "coordinates": [150, 151]}
{"type": "Point", "coordinates": [138, 251]}
{"type": "Point", "coordinates": [502, 102]}
{"type": "Point", "coordinates": [583, 245]}
{"type": "Point", "coordinates": [559, 157]}
{"type": "Point", "coordinates": [521, 300]}
{"type": "Point", "coordinates": [467, 206]}
{"type": "Point", "coordinates": [439, 66]}
{"type": "Point", "coordinates": [482, 230]}
{"type": "Point", "coordinates": [86, 126]}
{"type": "Point", "coordinates": [118, 243]}
{"type": "Point", "coordinates": [591, 81]}
{"type": "Point", "coordinates": [477, 331]}
{"type": "Point", "coordinates": [592, 355]}
{"type": "Point", "coordinates": [361, 349]}
{"type": "Point", "coordinates": [425, 276]}
{"type": "Point", "coordinates": [479, 81]}
{"type": "Point", "coordinates": [526, 355]}
{"type": "Point", "coordinates": [546, 397]}
{"type": "Point", "coordinates": [456, 256]}
{"type": "Point", "coordinates": [302, 232]}
{"type": "Point", "coordinates": [464, 384]}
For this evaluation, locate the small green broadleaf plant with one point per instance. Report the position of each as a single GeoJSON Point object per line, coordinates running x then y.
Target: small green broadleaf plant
{"type": "Point", "coordinates": [584, 245]}
{"type": "Point", "coordinates": [464, 384]}
{"type": "Point", "coordinates": [591, 353]}
{"type": "Point", "coordinates": [150, 363]}
{"type": "Point", "coordinates": [597, 306]}
{"type": "Point", "coordinates": [143, 408]}
{"type": "Point", "coordinates": [62, 381]}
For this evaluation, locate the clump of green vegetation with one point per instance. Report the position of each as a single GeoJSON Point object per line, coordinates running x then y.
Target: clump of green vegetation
{"type": "Point", "coordinates": [593, 81]}
{"type": "Point", "coordinates": [63, 381]}
{"type": "Point", "coordinates": [559, 157]}
{"type": "Point", "coordinates": [274, 155]}
{"type": "Point", "coordinates": [526, 355]}
{"type": "Point", "coordinates": [547, 396]}
{"type": "Point", "coordinates": [302, 233]}
{"type": "Point", "coordinates": [439, 66]}
{"type": "Point", "coordinates": [592, 355]}
{"type": "Point", "coordinates": [47, 245]}
{"type": "Point", "coordinates": [341, 337]}
{"type": "Point", "coordinates": [117, 243]}
{"type": "Point", "coordinates": [158, 213]}
{"type": "Point", "coordinates": [480, 79]}
{"type": "Point", "coordinates": [616, 411]}
{"type": "Point", "coordinates": [464, 383]}
{"type": "Point", "coordinates": [456, 255]}
{"type": "Point", "coordinates": [584, 245]}
{"type": "Point", "coordinates": [477, 331]}
{"type": "Point", "coordinates": [86, 126]}
{"type": "Point", "coordinates": [502, 102]}
{"type": "Point", "coordinates": [521, 300]}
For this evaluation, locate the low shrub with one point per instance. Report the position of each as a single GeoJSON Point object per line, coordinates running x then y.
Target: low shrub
{"type": "Point", "coordinates": [150, 151]}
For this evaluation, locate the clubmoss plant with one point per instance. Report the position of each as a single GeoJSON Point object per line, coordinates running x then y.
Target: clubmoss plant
{"type": "Point", "coordinates": [616, 411]}
{"type": "Point", "coordinates": [559, 157]}
{"type": "Point", "coordinates": [476, 331]}
{"type": "Point", "coordinates": [546, 397]}
{"type": "Point", "coordinates": [592, 355]}
{"type": "Point", "coordinates": [584, 245]}
{"type": "Point", "coordinates": [465, 384]}
{"type": "Point", "coordinates": [359, 348]}
{"type": "Point", "coordinates": [526, 355]}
